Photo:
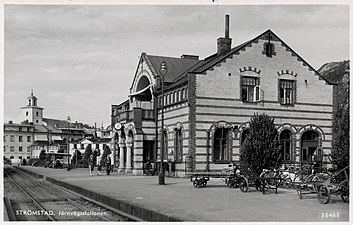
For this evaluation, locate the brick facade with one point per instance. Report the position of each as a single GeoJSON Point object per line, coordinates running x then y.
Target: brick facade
{"type": "Point", "coordinates": [209, 98]}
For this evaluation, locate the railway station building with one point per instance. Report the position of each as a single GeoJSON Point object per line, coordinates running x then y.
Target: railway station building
{"type": "Point", "coordinates": [208, 104]}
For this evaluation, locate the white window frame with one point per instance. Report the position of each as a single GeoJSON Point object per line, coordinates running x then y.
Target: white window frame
{"type": "Point", "coordinates": [286, 91]}
{"type": "Point", "coordinates": [255, 89]}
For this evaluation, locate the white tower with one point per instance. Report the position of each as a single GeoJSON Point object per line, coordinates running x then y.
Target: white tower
{"type": "Point", "coordinates": [32, 113]}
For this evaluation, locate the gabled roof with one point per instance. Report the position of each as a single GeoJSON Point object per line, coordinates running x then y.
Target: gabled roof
{"type": "Point", "coordinates": [56, 123]}
{"type": "Point", "coordinates": [175, 66]}
{"type": "Point", "coordinates": [213, 60]}
{"type": "Point", "coordinates": [334, 71]}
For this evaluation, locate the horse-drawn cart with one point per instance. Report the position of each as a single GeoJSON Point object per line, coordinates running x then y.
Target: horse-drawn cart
{"type": "Point", "coordinates": [251, 178]}
{"type": "Point", "coordinates": [337, 183]}
{"type": "Point", "coordinates": [324, 185]}
{"type": "Point", "coordinates": [229, 175]}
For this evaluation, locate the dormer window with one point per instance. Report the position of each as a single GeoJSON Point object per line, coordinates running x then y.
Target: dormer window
{"type": "Point", "coordinates": [269, 49]}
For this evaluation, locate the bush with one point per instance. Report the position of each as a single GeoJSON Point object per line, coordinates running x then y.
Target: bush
{"type": "Point", "coordinates": [260, 147]}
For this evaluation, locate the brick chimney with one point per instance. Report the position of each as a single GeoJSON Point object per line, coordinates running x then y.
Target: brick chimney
{"type": "Point", "coordinates": [224, 44]}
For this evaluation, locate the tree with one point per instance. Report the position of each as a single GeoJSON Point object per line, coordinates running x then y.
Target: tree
{"type": "Point", "coordinates": [88, 152]}
{"type": "Point", "coordinates": [260, 147]}
{"type": "Point", "coordinates": [42, 155]}
{"type": "Point", "coordinates": [340, 124]}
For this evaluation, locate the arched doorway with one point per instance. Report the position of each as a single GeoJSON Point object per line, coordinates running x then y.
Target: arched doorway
{"type": "Point", "coordinates": [311, 151]}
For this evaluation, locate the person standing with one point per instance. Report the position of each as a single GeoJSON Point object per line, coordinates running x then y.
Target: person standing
{"type": "Point", "coordinates": [99, 163]}
{"type": "Point", "coordinates": [91, 164]}
{"type": "Point", "coordinates": [108, 163]}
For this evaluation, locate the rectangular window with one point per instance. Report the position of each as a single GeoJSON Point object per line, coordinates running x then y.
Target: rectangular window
{"type": "Point", "coordinates": [20, 148]}
{"type": "Point", "coordinates": [12, 148]}
{"type": "Point", "coordinates": [20, 139]}
{"type": "Point", "coordinates": [28, 138]}
{"type": "Point", "coordinates": [250, 89]}
{"type": "Point", "coordinates": [97, 146]}
{"type": "Point", "coordinates": [12, 138]}
{"type": "Point", "coordinates": [28, 149]}
{"type": "Point", "coordinates": [286, 92]}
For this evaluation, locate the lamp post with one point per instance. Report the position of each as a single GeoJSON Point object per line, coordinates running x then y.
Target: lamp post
{"type": "Point", "coordinates": [48, 143]}
{"type": "Point", "coordinates": [163, 71]}
{"type": "Point", "coordinates": [68, 143]}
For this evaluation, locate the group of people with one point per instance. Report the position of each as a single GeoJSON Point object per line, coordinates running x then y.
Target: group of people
{"type": "Point", "coordinates": [95, 160]}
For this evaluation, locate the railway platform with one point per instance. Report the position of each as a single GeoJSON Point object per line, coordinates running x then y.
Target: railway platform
{"type": "Point", "coordinates": [178, 200]}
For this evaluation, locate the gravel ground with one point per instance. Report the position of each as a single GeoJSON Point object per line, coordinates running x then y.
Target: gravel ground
{"type": "Point", "coordinates": [214, 203]}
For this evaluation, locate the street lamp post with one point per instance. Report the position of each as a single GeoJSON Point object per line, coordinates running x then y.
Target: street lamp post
{"type": "Point", "coordinates": [68, 143]}
{"type": "Point", "coordinates": [161, 175]}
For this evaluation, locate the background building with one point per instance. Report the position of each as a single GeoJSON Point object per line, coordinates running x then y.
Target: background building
{"type": "Point", "coordinates": [36, 133]}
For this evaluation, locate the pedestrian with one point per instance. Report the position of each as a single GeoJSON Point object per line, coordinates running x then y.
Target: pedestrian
{"type": "Point", "coordinates": [91, 164]}
{"type": "Point", "coordinates": [108, 163]}
{"type": "Point", "coordinates": [99, 164]}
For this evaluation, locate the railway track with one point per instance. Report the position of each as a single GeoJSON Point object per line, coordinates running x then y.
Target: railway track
{"type": "Point", "coordinates": [30, 199]}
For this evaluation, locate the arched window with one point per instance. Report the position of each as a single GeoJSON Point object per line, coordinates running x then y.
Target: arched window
{"type": "Point", "coordinates": [182, 94]}
{"type": "Point", "coordinates": [178, 145]}
{"type": "Point", "coordinates": [220, 145]}
{"type": "Point", "coordinates": [27, 113]}
{"type": "Point", "coordinates": [244, 134]}
{"type": "Point", "coordinates": [286, 144]}
{"type": "Point", "coordinates": [178, 96]}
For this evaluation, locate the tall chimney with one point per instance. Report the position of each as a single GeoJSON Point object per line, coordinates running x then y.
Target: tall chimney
{"type": "Point", "coordinates": [224, 44]}
{"type": "Point", "coordinates": [227, 27]}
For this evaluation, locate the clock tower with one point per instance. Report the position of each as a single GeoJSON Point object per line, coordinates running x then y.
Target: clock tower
{"type": "Point", "coordinates": [32, 113]}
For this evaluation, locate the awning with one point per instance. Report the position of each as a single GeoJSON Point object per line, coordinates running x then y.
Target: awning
{"type": "Point", "coordinates": [40, 137]}
{"type": "Point", "coordinates": [56, 138]}
{"type": "Point", "coordinates": [140, 92]}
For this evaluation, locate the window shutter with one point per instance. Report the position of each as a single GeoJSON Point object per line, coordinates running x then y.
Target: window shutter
{"type": "Point", "coordinates": [294, 92]}
{"type": "Point", "coordinates": [230, 143]}
{"type": "Point", "coordinates": [244, 94]}
{"type": "Point", "coordinates": [257, 93]}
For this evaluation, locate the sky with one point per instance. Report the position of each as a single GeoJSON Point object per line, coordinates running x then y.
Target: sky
{"type": "Point", "coordinates": [81, 59]}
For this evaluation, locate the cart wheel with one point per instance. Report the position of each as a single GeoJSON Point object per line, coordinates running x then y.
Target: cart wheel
{"type": "Point", "coordinates": [197, 183]}
{"type": "Point", "coordinates": [344, 193]}
{"type": "Point", "coordinates": [323, 194]}
{"type": "Point", "coordinates": [244, 185]}
{"type": "Point", "coordinates": [204, 183]}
